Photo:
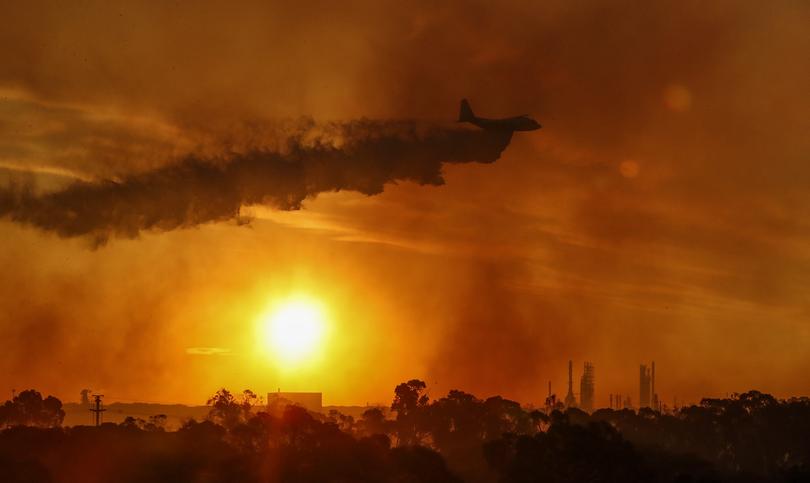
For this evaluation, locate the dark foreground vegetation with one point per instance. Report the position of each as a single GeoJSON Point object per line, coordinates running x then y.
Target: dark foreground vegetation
{"type": "Point", "coordinates": [750, 437]}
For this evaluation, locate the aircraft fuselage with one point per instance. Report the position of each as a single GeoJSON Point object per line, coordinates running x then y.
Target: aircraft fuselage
{"type": "Point", "coordinates": [518, 123]}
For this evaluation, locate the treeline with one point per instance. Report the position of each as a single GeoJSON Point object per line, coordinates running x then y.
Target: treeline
{"type": "Point", "coordinates": [236, 444]}
{"type": "Point", "coordinates": [750, 437]}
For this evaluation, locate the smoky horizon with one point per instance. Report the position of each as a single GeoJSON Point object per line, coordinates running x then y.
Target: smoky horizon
{"type": "Point", "coordinates": [173, 177]}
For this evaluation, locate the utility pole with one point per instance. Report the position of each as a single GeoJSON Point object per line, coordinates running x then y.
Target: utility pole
{"type": "Point", "coordinates": [98, 409]}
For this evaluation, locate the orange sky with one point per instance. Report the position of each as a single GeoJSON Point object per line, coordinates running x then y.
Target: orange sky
{"type": "Point", "coordinates": [661, 213]}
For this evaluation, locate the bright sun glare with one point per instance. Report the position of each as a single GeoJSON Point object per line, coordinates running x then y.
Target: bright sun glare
{"type": "Point", "coordinates": [293, 331]}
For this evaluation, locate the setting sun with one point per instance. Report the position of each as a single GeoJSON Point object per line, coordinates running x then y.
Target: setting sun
{"type": "Point", "coordinates": [292, 331]}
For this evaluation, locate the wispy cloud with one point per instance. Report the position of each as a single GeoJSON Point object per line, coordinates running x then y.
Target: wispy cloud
{"type": "Point", "coordinates": [208, 351]}
{"type": "Point", "coordinates": [45, 169]}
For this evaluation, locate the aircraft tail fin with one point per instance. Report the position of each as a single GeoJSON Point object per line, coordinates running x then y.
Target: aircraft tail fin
{"type": "Point", "coordinates": [465, 114]}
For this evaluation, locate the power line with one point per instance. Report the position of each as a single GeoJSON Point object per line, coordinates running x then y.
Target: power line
{"type": "Point", "coordinates": [98, 409]}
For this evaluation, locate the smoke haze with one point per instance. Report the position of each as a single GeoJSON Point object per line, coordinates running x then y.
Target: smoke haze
{"type": "Point", "coordinates": [361, 156]}
{"type": "Point", "coordinates": [661, 213]}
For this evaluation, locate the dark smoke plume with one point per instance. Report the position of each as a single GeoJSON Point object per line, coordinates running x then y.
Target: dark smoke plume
{"type": "Point", "coordinates": [359, 156]}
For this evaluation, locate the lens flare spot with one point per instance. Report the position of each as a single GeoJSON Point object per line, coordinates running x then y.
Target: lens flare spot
{"type": "Point", "coordinates": [677, 98]}
{"type": "Point", "coordinates": [629, 168]}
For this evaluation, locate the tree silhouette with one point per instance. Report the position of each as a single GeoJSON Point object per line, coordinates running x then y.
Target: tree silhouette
{"type": "Point", "coordinates": [29, 409]}
{"type": "Point", "coordinates": [373, 422]}
{"type": "Point", "coordinates": [566, 453]}
{"type": "Point", "coordinates": [409, 404]}
{"type": "Point", "coordinates": [229, 411]}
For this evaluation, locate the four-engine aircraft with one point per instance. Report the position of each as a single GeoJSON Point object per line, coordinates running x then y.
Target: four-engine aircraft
{"type": "Point", "coordinates": [517, 123]}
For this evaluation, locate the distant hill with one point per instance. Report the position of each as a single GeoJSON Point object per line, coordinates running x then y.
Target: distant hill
{"type": "Point", "coordinates": [354, 411]}
{"type": "Point", "coordinates": [77, 414]}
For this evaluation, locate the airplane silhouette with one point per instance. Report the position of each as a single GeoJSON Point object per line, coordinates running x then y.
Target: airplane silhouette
{"type": "Point", "coordinates": [517, 123]}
